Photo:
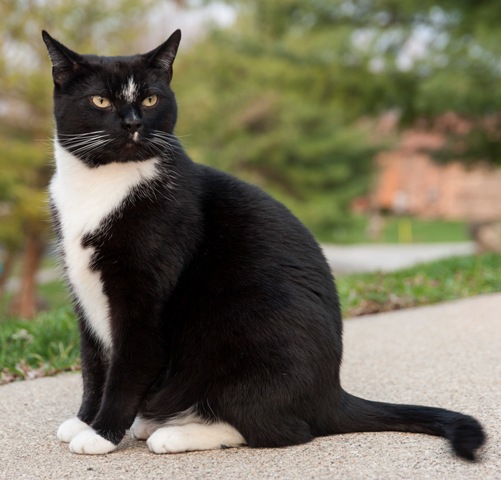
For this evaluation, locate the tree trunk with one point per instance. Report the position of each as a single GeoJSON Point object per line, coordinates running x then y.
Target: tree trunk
{"type": "Point", "coordinates": [8, 264]}
{"type": "Point", "coordinates": [24, 304]}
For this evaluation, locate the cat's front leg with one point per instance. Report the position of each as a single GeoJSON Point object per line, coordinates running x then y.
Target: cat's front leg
{"type": "Point", "coordinates": [93, 374]}
{"type": "Point", "coordinates": [91, 443]}
{"type": "Point", "coordinates": [69, 429]}
{"type": "Point", "coordinates": [133, 368]}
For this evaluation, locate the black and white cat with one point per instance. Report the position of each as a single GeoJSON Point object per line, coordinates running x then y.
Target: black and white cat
{"type": "Point", "coordinates": [208, 315]}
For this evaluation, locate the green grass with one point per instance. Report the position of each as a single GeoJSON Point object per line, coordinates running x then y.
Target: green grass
{"type": "Point", "coordinates": [45, 346]}
{"type": "Point", "coordinates": [49, 344]}
{"type": "Point", "coordinates": [412, 230]}
{"type": "Point", "coordinates": [429, 283]}
{"type": "Point", "coordinates": [396, 230]}
{"type": "Point", "coordinates": [55, 294]}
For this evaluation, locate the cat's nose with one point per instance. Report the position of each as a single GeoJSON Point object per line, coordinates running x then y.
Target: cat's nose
{"type": "Point", "coordinates": [132, 122]}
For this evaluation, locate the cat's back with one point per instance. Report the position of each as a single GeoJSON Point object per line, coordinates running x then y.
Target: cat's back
{"type": "Point", "coordinates": [236, 210]}
{"type": "Point", "coordinates": [253, 239]}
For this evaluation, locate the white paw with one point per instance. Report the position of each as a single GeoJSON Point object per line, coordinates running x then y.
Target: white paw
{"type": "Point", "coordinates": [141, 429]}
{"type": "Point", "coordinates": [168, 440]}
{"type": "Point", "coordinates": [194, 436]}
{"type": "Point", "coordinates": [89, 442]}
{"type": "Point", "coordinates": [70, 429]}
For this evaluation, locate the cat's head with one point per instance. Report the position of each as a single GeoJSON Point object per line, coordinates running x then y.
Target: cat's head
{"type": "Point", "coordinates": [114, 109]}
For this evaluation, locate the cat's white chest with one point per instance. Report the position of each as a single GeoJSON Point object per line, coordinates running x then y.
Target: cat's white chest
{"type": "Point", "coordinates": [84, 198]}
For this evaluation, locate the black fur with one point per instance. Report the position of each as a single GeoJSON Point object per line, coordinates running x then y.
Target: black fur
{"type": "Point", "coordinates": [220, 299]}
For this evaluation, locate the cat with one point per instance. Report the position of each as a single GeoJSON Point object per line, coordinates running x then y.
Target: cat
{"type": "Point", "coordinates": [208, 315]}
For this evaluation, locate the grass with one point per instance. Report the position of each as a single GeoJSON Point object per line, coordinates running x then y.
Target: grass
{"type": "Point", "coordinates": [413, 230]}
{"type": "Point", "coordinates": [49, 344]}
{"type": "Point", "coordinates": [45, 346]}
{"type": "Point", "coordinates": [425, 284]}
{"type": "Point", "coordinates": [397, 230]}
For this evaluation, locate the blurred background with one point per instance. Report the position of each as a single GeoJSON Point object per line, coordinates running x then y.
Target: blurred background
{"type": "Point", "coordinates": [375, 121]}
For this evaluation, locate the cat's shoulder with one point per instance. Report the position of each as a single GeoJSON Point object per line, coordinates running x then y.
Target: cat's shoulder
{"type": "Point", "coordinates": [222, 185]}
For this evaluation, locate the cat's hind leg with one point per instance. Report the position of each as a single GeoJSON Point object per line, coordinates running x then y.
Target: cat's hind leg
{"type": "Point", "coordinates": [142, 429]}
{"type": "Point", "coordinates": [194, 436]}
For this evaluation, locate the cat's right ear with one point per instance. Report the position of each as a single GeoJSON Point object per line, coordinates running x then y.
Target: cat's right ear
{"type": "Point", "coordinates": [65, 62]}
{"type": "Point", "coordinates": [163, 56]}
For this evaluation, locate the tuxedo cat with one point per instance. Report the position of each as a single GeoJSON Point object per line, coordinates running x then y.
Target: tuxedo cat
{"type": "Point", "coordinates": [207, 312]}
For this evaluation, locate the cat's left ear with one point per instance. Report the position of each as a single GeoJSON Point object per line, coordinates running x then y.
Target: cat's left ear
{"type": "Point", "coordinates": [65, 62]}
{"type": "Point", "coordinates": [164, 55]}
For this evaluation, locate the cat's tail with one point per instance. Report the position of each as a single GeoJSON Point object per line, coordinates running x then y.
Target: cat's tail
{"type": "Point", "coordinates": [464, 433]}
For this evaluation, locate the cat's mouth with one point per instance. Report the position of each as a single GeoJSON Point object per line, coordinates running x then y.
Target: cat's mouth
{"type": "Point", "coordinates": [133, 138]}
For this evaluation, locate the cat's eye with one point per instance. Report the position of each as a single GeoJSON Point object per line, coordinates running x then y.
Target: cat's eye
{"type": "Point", "coordinates": [150, 101]}
{"type": "Point", "coordinates": [101, 102]}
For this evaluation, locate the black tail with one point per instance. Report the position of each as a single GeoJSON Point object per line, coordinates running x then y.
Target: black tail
{"type": "Point", "coordinates": [463, 432]}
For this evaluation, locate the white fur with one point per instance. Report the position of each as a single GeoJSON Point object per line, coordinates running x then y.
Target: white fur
{"type": "Point", "coordinates": [70, 429]}
{"type": "Point", "coordinates": [84, 198]}
{"type": "Point", "coordinates": [185, 432]}
{"type": "Point", "coordinates": [194, 436]}
{"type": "Point", "coordinates": [90, 443]}
{"type": "Point", "coordinates": [130, 91]}
{"type": "Point", "coordinates": [142, 428]}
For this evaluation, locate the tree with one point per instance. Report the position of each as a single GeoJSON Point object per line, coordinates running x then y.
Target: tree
{"type": "Point", "coordinates": [266, 99]}
{"type": "Point", "coordinates": [431, 58]}
{"type": "Point", "coordinates": [25, 114]}
{"type": "Point", "coordinates": [278, 97]}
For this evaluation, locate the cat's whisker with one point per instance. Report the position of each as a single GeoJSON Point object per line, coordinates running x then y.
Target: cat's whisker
{"type": "Point", "coordinates": [85, 134]}
{"type": "Point", "coordinates": [89, 147]}
{"type": "Point", "coordinates": [77, 143]}
{"type": "Point", "coordinates": [84, 144]}
{"type": "Point", "coordinates": [85, 139]}
{"type": "Point", "coordinates": [77, 148]}
{"type": "Point", "coordinates": [161, 139]}
{"type": "Point", "coordinates": [154, 149]}
{"type": "Point", "coordinates": [161, 145]}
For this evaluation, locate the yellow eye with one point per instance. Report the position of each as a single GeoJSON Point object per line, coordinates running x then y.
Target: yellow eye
{"type": "Point", "coordinates": [150, 101]}
{"type": "Point", "coordinates": [101, 102]}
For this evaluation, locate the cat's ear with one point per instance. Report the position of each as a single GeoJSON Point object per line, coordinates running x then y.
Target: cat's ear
{"type": "Point", "coordinates": [65, 62]}
{"type": "Point", "coordinates": [164, 55]}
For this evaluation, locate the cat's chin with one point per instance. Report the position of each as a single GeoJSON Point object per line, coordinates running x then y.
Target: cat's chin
{"type": "Point", "coordinates": [128, 152]}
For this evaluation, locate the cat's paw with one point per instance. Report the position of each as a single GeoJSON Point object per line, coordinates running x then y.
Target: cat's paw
{"type": "Point", "coordinates": [194, 436]}
{"type": "Point", "coordinates": [90, 443]}
{"type": "Point", "coordinates": [168, 440]}
{"type": "Point", "coordinates": [141, 429]}
{"type": "Point", "coordinates": [70, 429]}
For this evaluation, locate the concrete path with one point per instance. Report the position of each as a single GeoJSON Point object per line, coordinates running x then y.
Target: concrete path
{"type": "Point", "coordinates": [447, 355]}
{"type": "Point", "coordinates": [388, 257]}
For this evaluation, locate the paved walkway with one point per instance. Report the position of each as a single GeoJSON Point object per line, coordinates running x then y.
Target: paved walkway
{"type": "Point", "coordinates": [388, 257]}
{"type": "Point", "coordinates": [447, 355]}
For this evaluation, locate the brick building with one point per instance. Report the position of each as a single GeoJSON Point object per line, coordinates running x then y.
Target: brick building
{"type": "Point", "coordinates": [409, 182]}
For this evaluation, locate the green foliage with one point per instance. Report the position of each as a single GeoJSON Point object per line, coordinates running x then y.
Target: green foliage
{"type": "Point", "coordinates": [25, 97]}
{"type": "Point", "coordinates": [45, 346]}
{"type": "Point", "coordinates": [277, 98]}
{"type": "Point", "coordinates": [420, 58]}
{"type": "Point", "coordinates": [444, 280]}
{"type": "Point", "coordinates": [268, 108]}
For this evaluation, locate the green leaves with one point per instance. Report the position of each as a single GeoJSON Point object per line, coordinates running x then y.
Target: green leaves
{"type": "Point", "coordinates": [270, 112]}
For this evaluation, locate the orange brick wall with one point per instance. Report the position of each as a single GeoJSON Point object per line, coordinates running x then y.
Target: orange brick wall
{"type": "Point", "coordinates": [410, 182]}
